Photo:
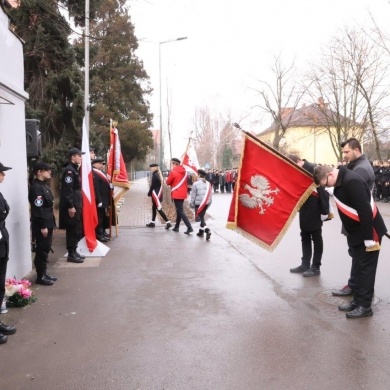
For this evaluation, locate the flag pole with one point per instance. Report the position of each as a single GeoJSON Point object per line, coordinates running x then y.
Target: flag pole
{"type": "Point", "coordinates": [112, 205]}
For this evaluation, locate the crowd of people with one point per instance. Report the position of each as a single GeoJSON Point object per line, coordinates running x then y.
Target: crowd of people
{"type": "Point", "coordinates": [222, 181]}
{"type": "Point", "coordinates": [42, 217]}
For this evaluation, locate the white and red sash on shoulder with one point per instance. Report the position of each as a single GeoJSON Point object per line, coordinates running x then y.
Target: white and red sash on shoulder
{"type": "Point", "coordinates": [205, 199]}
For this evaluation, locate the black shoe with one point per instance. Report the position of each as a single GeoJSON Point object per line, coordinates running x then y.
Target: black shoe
{"type": "Point", "coordinates": [44, 280]}
{"type": "Point", "coordinates": [346, 290]}
{"type": "Point", "coordinates": [168, 225]}
{"type": "Point", "coordinates": [151, 224]}
{"type": "Point", "coordinates": [106, 235]}
{"type": "Point", "coordinates": [208, 234]}
{"type": "Point", "coordinates": [312, 272]}
{"type": "Point", "coordinates": [360, 312]}
{"type": "Point", "coordinates": [200, 233]}
{"type": "Point", "coordinates": [7, 329]}
{"type": "Point", "coordinates": [299, 270]}
{"type": "Point", "coordinates": [189, 230]}
{"type": "Point", "coordinates": [53, 278]}
{"type": "Point", "coordinates": [78, 255]}
{"type": "Point", "coordinates": [3, 338]}
{"type": "Point", "coordinates": [348, 306]}
{"type": "Point", "coordinates": [103, 239]}
{"type": "Point", "coordinates": [73, 258]}
{"type": "Point", "coordinates": [175, 229]}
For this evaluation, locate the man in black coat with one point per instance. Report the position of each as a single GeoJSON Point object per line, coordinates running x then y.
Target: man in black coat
{"type": "Point", "coordinates": [365, 228]}
{"type": "Point", "coordinates": [357, 162]}
{"type": "Point", "coordinates": [71, 203]}
{"type": "Point", "coordinates": [42, 220]}
{"type": "Point", "coordinates": [313, 212]}
{"type": "Point", "coordinates": [102, 188]}
{"type": "Point", "coordinates": [156, 193]}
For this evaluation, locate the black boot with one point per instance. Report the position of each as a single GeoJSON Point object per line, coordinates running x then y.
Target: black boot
{"type": "Point", "coordinates": [78, 255]}
{"type": "Point", "coordinates": [44, 280]}
{"type": "Point", "coordinates": [151, 224]}
{"type": "Point", "coordinates": [300, 269]}
{"type": "Point", "coordinates": [208, 234]}
{"type": "Point", "coordinates": [73, 258]}
{"type": "Point", "coordinates": [200, 233]}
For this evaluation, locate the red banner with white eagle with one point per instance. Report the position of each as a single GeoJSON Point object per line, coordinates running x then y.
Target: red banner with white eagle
{"type": "Point", "coordinates": [190, 159]}
{"type": "Point", "coordinates": [269, 191]}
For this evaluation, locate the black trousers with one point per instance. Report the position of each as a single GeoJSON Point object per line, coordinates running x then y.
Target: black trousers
{"type": "Point", "coordinates": [100, 228]}
{"type": "Point", "coordinates": [180, 215]}
{"type": "Point", "coordinates": [318, 247]}
{"type": "Point", "coordinates": [363, 273]}
{"type": "Point", "coordinates": [201, 215]}
{"type": "Point", "coordinates": [74, 231]}
{"type": "Point", "coordinates": [161, 212]}
{"type": "Point", "coordinates": [3, 272]}
{"type": "Point", "coordinates": [42, 249]}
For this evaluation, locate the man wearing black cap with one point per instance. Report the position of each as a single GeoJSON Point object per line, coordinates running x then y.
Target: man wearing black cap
{"type": "Point", "coordinates": [156, 193]}
{"type": "Point", "coordinates": [177, 179]}
{"type": "Point", "coordinates": [102, 188]}
{"type": "Point", "coordinates": [71, 205]}
{"type": "Point", "coordinates": [4, 251]}
{"type": "Point", "coordinates": [42, 220]}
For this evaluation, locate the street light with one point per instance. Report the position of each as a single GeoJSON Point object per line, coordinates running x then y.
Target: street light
{"type": "Point", "coordinates": [159, 72]}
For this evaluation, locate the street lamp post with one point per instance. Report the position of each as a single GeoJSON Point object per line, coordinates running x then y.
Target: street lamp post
{"type": "Point", "coordinates": [161, 122]}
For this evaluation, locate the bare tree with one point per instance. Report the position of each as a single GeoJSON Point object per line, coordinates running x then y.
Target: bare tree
{"type": "Point", "coordinates": [349, 77]}
{"type": "Point", "coordinates": [281, 98]}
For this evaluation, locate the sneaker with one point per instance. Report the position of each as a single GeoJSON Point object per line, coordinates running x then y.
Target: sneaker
{"type": "Point", "coordinates": [312, 272]}
{"type": "Point", "coordinates": [299, 270]}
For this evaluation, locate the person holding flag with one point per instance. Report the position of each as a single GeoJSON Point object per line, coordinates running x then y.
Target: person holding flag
{"type": "Point", "coordinates": [156, 193]}
{"type": "Point", "coordinates": [201, 200]}
{"type": "Point", "coordinates": [177, 179]}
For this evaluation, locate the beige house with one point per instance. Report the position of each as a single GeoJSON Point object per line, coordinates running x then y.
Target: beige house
{"type": "Point", "coordinates": [307, 134]}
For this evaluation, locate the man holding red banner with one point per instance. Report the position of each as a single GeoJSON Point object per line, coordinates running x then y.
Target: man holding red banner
{"type": "Point", "coordinates": [201, 200]}
{"type": "Point", "coordinates": [177, 179]}
{"type": "Point", "coordinates": [365, 228]}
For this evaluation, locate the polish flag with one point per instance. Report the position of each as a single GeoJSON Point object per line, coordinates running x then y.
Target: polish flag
{"type": "Point", "coordinates": [190, 159]}
{"type": "Point", "coordinates": [90, 220]}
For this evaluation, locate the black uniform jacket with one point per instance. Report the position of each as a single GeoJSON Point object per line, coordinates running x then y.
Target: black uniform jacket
{"type": "Point", "coordinates": [354, 192]}
{"type": "Point", "coordinates": [155, 185]}
{"type": "Point", "coordinates": [102, 188]}
{"type": "Point", "coordinates": [41, 200]}
{"type": "Point", "coordinates": [70, 192]}
{"type": "Point", "coordinates": [316, 205]}
{"type": "Point", "coordinates": [4, 241]}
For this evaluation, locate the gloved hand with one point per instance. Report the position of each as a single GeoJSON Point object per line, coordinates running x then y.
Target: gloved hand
{"type": "Point", "coordinates": [100, 205]}
{"type": "Point", "coordinates": [369, 243]}
{"type": "Point", "coordinates": [324, 217]}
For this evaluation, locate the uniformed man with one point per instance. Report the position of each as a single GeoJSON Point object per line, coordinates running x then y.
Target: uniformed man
{"type": "Point", "coordinates": [102, 188]}
{"type": "Point", "coordinates": [42, 220]}
{"type": "Point", "coordinates": [4, 251]}
{"type": "Point", "coordinates": [156, 193]}
{"type": "Point", "coordinates": [71, 205]}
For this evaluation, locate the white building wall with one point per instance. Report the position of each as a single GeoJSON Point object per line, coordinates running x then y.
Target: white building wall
{"type": "Point", "coordinates": [13, 149]}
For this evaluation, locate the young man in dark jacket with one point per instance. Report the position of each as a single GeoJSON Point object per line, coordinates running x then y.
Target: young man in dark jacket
{"type": "Point", "coordinates": [365, 228]}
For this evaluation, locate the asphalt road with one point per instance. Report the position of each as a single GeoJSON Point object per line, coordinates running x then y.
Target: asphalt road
{"type": "Point", "coordinates": [166, 311]}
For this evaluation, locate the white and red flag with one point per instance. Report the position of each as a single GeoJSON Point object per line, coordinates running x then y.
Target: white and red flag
{"type": "Point", "coordinates": [190, 159]}
{"type": "Point", "coordinates": [269, 191]}
{"type": "Point", "coordinates": [90, 220]}
{"type": "Point", "coordinates": [116, 167]}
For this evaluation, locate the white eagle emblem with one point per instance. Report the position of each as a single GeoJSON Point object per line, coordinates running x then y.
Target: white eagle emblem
{"type": "Point", "coordinates": [68, 179]}
{"type": "Point", "coordinates": [39, 201]}
{"type": "Point", "coordinates": [260, 194]}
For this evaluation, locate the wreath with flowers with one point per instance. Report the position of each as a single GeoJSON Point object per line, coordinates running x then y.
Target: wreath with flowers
{"type": "Point", "coordinates": [18, 292]}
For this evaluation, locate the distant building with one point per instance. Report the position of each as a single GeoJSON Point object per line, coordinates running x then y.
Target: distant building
{"type": "Point", "coordinates": [308, 132]}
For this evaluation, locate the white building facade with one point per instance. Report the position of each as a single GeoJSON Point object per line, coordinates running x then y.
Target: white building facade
{"type": "Point", "coordinates": [13, 148]}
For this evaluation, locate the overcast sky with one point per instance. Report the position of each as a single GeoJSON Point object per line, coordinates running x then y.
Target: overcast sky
{"type": "Point", "coordinates": [231, 44]}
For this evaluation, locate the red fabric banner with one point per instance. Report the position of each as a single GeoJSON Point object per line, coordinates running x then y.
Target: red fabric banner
{"type": "Point", "coordinates": [90, 219]}
{"type": "Point", "coordinates": [269, 191]}
{"type": "Point", "coordinates": [190, 159]}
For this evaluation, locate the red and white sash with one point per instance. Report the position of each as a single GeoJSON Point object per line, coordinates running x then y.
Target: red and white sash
{"type": "Point", "coordinates": [206, 196]}
{"type": "Point", "coordinates": [156, 198]}
{"type": "Point", "coordinates": [101, 174]}
{"type": "Point", "coordinates": [181, 182]}
{"type": "Point", "coordinates": [353, 214]}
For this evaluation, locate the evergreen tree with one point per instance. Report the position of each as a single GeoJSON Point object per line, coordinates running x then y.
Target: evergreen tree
{"type": "Point", "coordinates": [52, 77]}
{"type": "Point", "coordinates": [118, 81]}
